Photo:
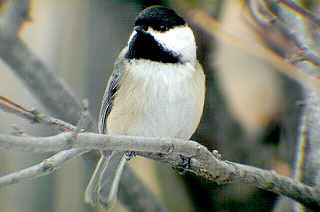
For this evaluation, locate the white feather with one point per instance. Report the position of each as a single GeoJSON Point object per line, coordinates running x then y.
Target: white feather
{"type": "Point", "coordinates": [157, 99]}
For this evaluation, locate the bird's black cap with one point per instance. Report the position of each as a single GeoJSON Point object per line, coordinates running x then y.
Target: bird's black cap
{"type": "Point", "coordinates": [159, 18]}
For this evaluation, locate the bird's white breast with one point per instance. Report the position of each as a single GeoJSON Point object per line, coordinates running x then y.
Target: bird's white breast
{"type": "Point", "coordinates": [158, 100]}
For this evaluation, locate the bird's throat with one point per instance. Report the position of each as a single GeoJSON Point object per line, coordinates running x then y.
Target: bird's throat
{"type": "Point", "coordinates": [144, 46]}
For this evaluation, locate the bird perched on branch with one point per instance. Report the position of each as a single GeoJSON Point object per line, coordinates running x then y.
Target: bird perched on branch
{"type": "Point", "coordinates": [157, 89]}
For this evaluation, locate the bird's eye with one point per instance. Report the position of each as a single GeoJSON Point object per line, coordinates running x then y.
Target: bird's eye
{"type": "Point", "coordinates": [163, 28]}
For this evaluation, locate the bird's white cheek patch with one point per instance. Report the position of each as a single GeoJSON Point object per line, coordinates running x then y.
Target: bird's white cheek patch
{"type": "Point", "coordinates": [179, 40]}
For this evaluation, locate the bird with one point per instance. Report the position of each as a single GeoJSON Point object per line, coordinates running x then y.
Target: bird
{"type": "Point", "coordinates": [157, 89]}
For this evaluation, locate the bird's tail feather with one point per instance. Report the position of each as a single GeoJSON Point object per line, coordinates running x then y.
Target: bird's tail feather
{"type": "Point", "coordinates": [91, 193]}
{"type": "Point", "coordinates": [110, 178]}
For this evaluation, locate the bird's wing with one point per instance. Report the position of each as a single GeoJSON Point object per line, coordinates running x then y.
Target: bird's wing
{"type": "Point", "coordinates": [111, 90]}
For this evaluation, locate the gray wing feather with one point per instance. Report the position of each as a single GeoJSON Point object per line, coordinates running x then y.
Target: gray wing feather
{"type": "Point", "coordinates": [111, 90]}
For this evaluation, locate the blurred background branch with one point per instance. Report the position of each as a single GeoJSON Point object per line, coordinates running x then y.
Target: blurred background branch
{"type": "Point", "coordinates": [307, 166]}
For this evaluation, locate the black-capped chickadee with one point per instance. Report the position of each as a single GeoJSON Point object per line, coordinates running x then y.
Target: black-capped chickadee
{"type": "Point", "coordinates": [157, 89]}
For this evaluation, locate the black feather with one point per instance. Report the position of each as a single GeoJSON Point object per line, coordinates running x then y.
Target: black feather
{"type": "Point", "coordinates": [159, 18]}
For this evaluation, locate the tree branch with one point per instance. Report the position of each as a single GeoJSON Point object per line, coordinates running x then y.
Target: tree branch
{"type": "Point", "coordinates": [169, 150]}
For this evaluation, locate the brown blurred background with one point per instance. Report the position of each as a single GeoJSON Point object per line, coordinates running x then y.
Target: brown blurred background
{"type": "Point", "coordinates": [251, 111]}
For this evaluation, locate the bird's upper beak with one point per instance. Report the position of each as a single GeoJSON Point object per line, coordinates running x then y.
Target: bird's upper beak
{"type": "Point", "coordinates": [139, 29]}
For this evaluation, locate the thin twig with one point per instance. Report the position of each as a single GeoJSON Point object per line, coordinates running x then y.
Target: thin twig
{"type": "Point", "coordinates": [33, 115]}
{"type": "Point", "coordinates": [9, 106]}
{"type": "Point", "coordinates": [43, 118]}
{"type": "Point", "coordinates": [203, 162]}
{"type": "Point", "coordinates": [45, 167]}
{"type": "Point", "coordinates": [83, 121]}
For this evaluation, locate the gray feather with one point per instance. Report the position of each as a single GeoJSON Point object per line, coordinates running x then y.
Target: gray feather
{"type": "Point", "coordinates": [111, 90]}
{"type": "Point", "coordinates": [110, 178]}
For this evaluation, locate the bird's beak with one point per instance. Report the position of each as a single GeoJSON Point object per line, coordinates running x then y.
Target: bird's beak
{"type": "Point", "coordinates": [139, 29]}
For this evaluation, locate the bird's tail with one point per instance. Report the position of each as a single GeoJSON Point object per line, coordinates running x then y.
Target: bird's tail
{"type": "Point", "coordinates": [110, 179]}
{"type": "Point", "coordinates": [91, 193]}
{"type": "Point", "coordinates": [103, 186]}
